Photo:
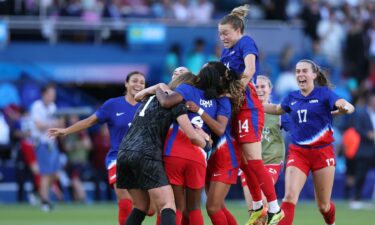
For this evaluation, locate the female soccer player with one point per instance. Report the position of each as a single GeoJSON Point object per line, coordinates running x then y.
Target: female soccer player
{"type": "Point", "coordinates": [240, 54]}
{"type": "Point", "coordinates": [118, 114]}
{"type": "Point", "coordinates": [184, 164]}
{"type": "Point", "coordinates": [140, 167]}
{"type": "Point", "coordinates": [223, 165]}
{"type": "Point", "coordinates": [310, 110]}
{"type": "Point", "coordinates": [273, 147]}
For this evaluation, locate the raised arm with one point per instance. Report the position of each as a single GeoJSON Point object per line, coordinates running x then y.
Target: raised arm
{"type": "Point", "coordinates": [167, 100]}
{"type": "Point", "coordinates": [217, 126]}
{"type": "Point", "coordinates": [150, 91]}
{"type": "Point", "coordinates": [80, 125]}
{"type": "Point", "coordinates": [273, 109]}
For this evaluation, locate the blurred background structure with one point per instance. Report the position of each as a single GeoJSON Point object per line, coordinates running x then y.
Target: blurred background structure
{"type": "Point", "coordinates": [86, 47]}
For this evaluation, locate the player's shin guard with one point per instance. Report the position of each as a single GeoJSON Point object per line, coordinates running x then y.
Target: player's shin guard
{"type": "Point", "coordinates": [195, 217]}
{"type": "Point", "coordinates": [124, 209]}
{"type": "Point", "coordinates": [136, 217]}
{"type": "Point", "coordinates": [330, 215]}
{"type": "Point", "coordinates": [219, 218]}
{"type": "Point", "coordinates": [168, 217]}
{"type": "Point", "coordinates": [230, 218]}
{"type": "Point", "coordinates": [288, 209]}
{"type": "Point", "coordinates": [264, 178]}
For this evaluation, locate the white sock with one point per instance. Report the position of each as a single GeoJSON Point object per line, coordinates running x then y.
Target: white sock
{"type": "Point", "coordinates": [273, 206]}
{"type": "Point", "coordinates": [257, 205]}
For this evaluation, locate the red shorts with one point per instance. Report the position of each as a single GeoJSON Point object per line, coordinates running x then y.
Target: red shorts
{"type": "Point", "coordinates": [313, 159]}
{"type": "Point", "coordinates": [273, 169]}
{"type": "Point", "coordinates": [112, 173]}
{"type": "Point", "coordinates": [226, 176]}
{"type": "Point", "coordinates": [249, 122]}
{"type": "Point", "coordinates": [184, 172]}
{"type": "Point", "coordinates": [28, 152]}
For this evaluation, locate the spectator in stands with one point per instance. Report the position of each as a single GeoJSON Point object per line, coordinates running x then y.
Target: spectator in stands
{"type": "Point", "coordinates": [42, 114]}
{"type": "Point", "coordinates": [365, 155]}
{"type": "Point", "coordinates": [172, 61]}
{"type": "Point", "coordinates": [201, 11]}
{"type": "Point", "coordinates": [181, 10]}
{"type": "Point", "coordinates": [331, 34]}
{"type": "Point", "coordinates": [162, 9]}
{"type": "Point", "coordinates": [310, 15]}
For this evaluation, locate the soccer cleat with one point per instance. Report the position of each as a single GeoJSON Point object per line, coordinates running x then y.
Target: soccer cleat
{"type": "Point", "coordinates": [275, 218]}
{"type": "Point", "coordinates": [254, 215]}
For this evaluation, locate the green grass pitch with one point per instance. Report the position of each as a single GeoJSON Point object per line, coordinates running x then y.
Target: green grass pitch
{"type": "Point", "coordinates": [100, 214]}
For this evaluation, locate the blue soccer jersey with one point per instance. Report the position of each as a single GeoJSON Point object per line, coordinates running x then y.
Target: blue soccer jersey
{"type": "Point", "coordinates": [176, 143]}
{"type": "Point", "coordinates": [310, 116]}
{"type": "Point", "coordinates": [118, 114]}
{"type": "Point", "coordinates": [234, 57]}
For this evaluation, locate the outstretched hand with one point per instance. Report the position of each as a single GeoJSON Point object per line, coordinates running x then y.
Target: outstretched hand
{"type": "Point", "coordinates": [56, 132]}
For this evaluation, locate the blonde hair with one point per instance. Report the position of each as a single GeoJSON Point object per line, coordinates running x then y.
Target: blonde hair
{"type": "Point", "coordinates": [267, 79]}
{"type": "Point", "coordinates": [184, 78]}
{"type": "Point", "coordinates": [236, 18]}
{"type": "Point", "coordinates": [321, 75]}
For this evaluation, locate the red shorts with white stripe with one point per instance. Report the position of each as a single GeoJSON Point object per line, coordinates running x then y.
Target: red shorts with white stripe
{"type": "Point", "coordinates": [249, 122]}
{"type": "Point", "coordinates": [311, 159]}
{"type": "Point", "coordinates": [273, 169]}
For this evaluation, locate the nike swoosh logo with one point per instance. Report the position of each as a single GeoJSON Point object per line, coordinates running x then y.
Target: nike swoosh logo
{"type": "Point", "coordinates": [119, 114]}
{"type": "Point", "coordinates": [293, 103]}
{"type": "Point", "coordinates": [242, 135]}
{"type": "Point", "coordinates": [216, 174]}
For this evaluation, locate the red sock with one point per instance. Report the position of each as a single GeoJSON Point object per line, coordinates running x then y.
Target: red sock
{"type": "Point", "coordinates": [288, 209]}
{"type": "Point", "coordinates": [219, 218]}
{"type": "Point", "coordinates": [178, 217]}
{"type": "Point", "coordinates": [125, 207]}
{"type": "Point", "coordinates": [252, 183]}
{"type": "Point", "coordinates": [330, 215]}
{"type": "Point", "coordinates": [185, 220]}
{"type": "Point", "coordinates": [230, 218]}
{"type": "Point", "coordinates": [158, 219]}
{"type": "Point", "coordinates": [264, 178]}
{"type": "Point", "coordinates": [195, 217]}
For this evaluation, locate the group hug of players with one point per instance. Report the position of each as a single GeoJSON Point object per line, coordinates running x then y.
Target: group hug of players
{"type": "Point", "coordinates": [200, 130]}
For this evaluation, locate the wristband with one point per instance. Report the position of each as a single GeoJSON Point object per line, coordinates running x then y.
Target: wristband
{"type": "Point", "coordinates": [200, 111]}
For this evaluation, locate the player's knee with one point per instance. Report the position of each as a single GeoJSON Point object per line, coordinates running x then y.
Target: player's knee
{"type": "Point", "coordinates": [212, 208]}
{"type": "Point", "coordinates": [290, 197]}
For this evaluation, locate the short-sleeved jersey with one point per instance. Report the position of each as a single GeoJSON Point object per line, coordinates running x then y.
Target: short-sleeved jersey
{"type": "Point", "coordinates": [310, 117]}
{"type": "Point", "coordinates": [177, 143]}
{"type": "Point", "coordinates": [118, 114]}
{"type": "Point", "coordinates": [150, 127]}
{"type": "Point", "coordinates": [273, 147]}
{"type": "Point", "coordinates": [44, 113]}
{"type": "Point", "coordinates": [234, 57]}
{"type": "Point", "coordinates": [224, 146]}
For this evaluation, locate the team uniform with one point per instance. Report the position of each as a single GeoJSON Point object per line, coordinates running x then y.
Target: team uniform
{"type": "Point", "coordinates": [311, 129]}
{"type": "Point", "coordinates": [118, 114]}
{"type": "Point", "coordinates": [273, 147]}
{"type": "Point", "coordinates": [139, 162]}
{"type": "Point", "coordinates": [185, 163]}
{"type": "Point", "coordinates": [225, 160]}
{"type": "Point", "coordinates": [249, 121]}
